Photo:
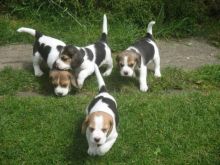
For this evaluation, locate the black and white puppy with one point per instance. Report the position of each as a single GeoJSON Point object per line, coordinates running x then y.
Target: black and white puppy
{"type": "Point", "coordinates": [48, 49]}
{"type": "Point", "coordinates": [137, 56]}
{"type": "Point", "coordinates": [83, 59]}
{"type": "Point", "coordinates": [101, 120]}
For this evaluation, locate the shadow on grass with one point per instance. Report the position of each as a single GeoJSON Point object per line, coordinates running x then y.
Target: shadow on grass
{"type": "Point", "coordinates": [76, 153]}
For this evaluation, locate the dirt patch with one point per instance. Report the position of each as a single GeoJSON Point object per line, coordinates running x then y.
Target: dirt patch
{"type": "Point", "coordinates": [185, 53]}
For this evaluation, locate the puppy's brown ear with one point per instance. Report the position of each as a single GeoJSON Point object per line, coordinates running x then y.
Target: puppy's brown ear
{"type": "Point", "coordinates": [85, 125]}
{"type": "Point", "coordinates": [73, 79]}
{"type": "Point", "coordinates": [52, 74]}
{"type": "Point", "coordinates": [138, 59]}
{"type": "Point", "coordinates": [110, 128]}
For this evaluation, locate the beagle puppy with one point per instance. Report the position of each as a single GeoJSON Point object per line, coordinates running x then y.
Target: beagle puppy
{"type": "Point", "coordinates": [101, 120]}
{"type": "Point", "coordinates": [83, 59]}
{"type": "Point", "coordinates": [62, 81]}
{"type": "Point", "coordinates": [137, 56]}
{"type": "Point", "coordinates": [48, 49]}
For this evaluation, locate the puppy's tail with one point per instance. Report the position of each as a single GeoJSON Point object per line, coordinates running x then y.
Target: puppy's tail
{"type": "Point", "coordinates": [104, 29]}
{"type": "Point", "coordinates": [100, 80]}
{"type": "Point", "coordinates": [149, 27]}
{"type": "Point", "coordinates": [30, 31]}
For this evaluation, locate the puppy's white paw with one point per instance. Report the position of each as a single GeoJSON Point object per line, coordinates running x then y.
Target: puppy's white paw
{"type": "Point", "coordinates": [91, 151]}
{"type": "Point", "coordinates": [157, 74]}
{"type": "Point", "coordinates": [107, 72]}
{"type": "Point", "coordinates": [38, 73]}
{"type": "Point", "coordinates": [80, 83]}
{"type": "Point", "coordinates": [143, 88]}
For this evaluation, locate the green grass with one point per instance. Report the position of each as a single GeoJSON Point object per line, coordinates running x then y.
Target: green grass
{"type": "Point", "coordinates": [175, 122]}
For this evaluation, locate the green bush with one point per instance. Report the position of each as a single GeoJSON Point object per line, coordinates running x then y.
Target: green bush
{"type": "Point", "coordinates": [137, 11]}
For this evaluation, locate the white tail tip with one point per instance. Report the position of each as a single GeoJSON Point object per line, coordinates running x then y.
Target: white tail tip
{"type": "Point", "coordinates": [104, 27]}
{"type": "Point", "coordinates": [27, 30]}
{"type": "Point", "coordinates": [149, 27]}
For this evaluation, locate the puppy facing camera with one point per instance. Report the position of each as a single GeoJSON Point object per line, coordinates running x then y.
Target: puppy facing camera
{"type": "Point", "coordinates": [100, 124]}
{"type": "Point", "coordinates": [62, 81]}
{"type": "Point", "coordinates": [137, 56]}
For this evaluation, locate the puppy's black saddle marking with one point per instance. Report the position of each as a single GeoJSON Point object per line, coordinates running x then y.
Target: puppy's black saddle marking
{"type": "Point", "coordinates": [145, 48]}
{"type": "Point", "coordinates": [111, 104]}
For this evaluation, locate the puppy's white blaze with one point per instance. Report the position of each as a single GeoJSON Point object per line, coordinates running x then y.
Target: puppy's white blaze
{"type": "Point", "coordinates": [104, 26]}
{"type": "Point", "coordinates": [149, 27]}
{"type": "Point", "coordinates": [126, 68]}
{"type": "Point", "coordinates": [27, 30]}
{"type": "Point", "coordinates": [60, 90]}
{"type": "Point", "coordinates": [98, 133]}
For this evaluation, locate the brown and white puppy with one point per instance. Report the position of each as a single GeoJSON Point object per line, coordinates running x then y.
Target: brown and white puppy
{"type": "Point", "coordinates": [101, 120]}
{"type": "Point", "coordinates": [62, 81]}
{"type": "Point", "coordinates": [137, 56]}
{"type": "Point", "coordinates": [48, 49]}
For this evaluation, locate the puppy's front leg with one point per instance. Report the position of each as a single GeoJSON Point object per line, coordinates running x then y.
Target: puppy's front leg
{"type": "Point", "coordinates": [92, 150]}
{"type": "Point", "coordinates": [83, 74]}
{"type": "Point", "coordinates": [143, 77]}
{"type": "Point", "coordinates": [101, 150]}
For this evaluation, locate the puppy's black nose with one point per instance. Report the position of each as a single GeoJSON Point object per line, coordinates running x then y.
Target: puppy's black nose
{"type": "Point", "coordinates": [125, 73]}
{"type": "Point", "coordinates": [97, 140]}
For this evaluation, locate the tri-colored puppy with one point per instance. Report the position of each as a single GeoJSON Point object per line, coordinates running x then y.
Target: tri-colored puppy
{"type": "Point", "coordinates": [48, 49]}
{"type": "Point", "coordinates": [101, 120]}
{"type": "Point", "coordinates": [137, 56]}
{"type": "Point", "coordinates": [83, 59]}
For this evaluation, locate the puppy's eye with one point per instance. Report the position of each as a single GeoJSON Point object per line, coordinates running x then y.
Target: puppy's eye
{"type": "Point", "coordinates": [55, 85]}
{"type": "Point", "coordinates": [91, 129]}
{"type": "Point", "coordinates": [104, 130]}
{"type": "Point", "coordinates": [131, 65]}
{"type": "Point", "coordinates": [121, 65]}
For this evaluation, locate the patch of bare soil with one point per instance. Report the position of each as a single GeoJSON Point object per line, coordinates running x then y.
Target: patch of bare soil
{"type": "Point", "coordinates": [186, 53]}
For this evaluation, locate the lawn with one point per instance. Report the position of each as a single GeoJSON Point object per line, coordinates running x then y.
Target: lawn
{"type": "Point", "coordinates": [176, 122]}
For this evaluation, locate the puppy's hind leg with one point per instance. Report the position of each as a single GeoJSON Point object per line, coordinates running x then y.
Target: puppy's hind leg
{"type": "Point", "coordinates": [36, 64]}
{"type": "Point", "coordinates": [157, 65]}
{"type": "Point", "coordinates": [143, 77]}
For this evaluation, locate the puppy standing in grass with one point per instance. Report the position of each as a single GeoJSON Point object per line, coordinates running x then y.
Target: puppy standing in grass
{"type": "Point", "coordinates": [137, 56]}
{"type": "Point", "coordinates": [48, 49]}
{"type": "Point", "coordinates": [101, 120]}
{"type": "Point", "coordinates": [83, 59]}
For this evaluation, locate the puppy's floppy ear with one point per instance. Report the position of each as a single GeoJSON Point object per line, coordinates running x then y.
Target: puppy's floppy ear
{"type": "Point", "coordinates": [73, 79]}
{"type": "Point", "coordinates": [137, 58]}
{"type": "Point", "coordinates": [76, 60]}
{"type": "Point", "coordinates": [60, 48]}
{"type": "Point", "coordinates": [85, 125]}
{"type": "Point", "coordinates": [52, 73]}
{"type": "Point", "coordinates": [110, 128]}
